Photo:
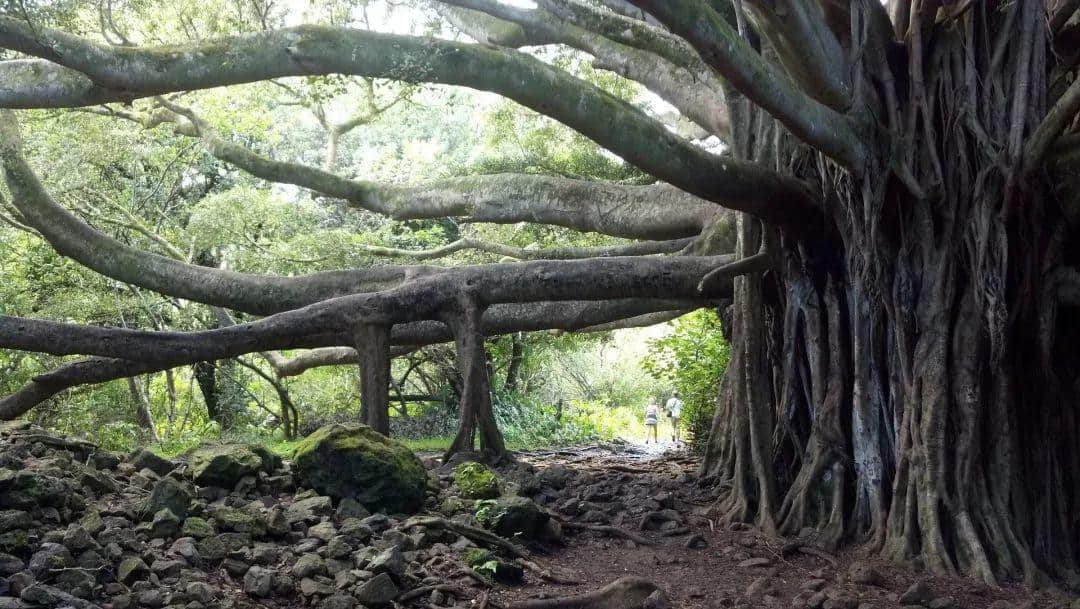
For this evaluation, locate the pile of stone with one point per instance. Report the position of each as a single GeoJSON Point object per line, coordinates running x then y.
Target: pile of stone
{"type": "Point", "coordinates": [234, 525]}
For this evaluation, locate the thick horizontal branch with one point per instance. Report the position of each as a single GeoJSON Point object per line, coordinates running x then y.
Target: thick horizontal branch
{"type": "Point", "coordinates": [687, 83]}
{"type": "Point", "coordinates": [259, 294]}
{"type": "Point", "coordinates": [498, 319]}
{"type": "Point", "coordinates": [658, 211]}
{"type": "Point", "coordinates": [523, 253]}
{"type": "Point", "coordinates": [721, 47]}
{"type": "Point", "coordinates": [133, 72]}
{"type": "Point", "coordinates": [323, 323]}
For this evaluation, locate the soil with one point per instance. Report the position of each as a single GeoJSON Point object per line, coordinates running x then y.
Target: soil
{"type": "Point", "coordinates": [711, 577]}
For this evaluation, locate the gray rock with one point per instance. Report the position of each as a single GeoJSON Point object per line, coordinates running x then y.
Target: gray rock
{"type": "Point", "coordinates": [200, 591]}
{"type": "Point", "coordinates": [165, 568]}
{"type": "Point", "coordinates": [379, 590]}
{"type": "Point", "coordinates": [185, 548]}
{"type": "Point", "coordinates": [168, 494]}
{"type": "Point", "coordinates": [78, 539]}
{"type": "Point", "coordinates": [310, 586]}
{"type": "Point", "coordinates": [324, 531]}
{"type": "Point", "coordinates": [259, 582]}
{"type": "Point", "coordinates": [41, 594]}
{"type": "Point", "coordinates": [8, 602]}
{"type": "Point", "coordinates": [14, 519]}
{"type": "Point", "coordinates": [351, 508]}
{"type": "Point", "coordinates": [132, 570]}
{"type": "Point", "coordinates": [389, 561]}
{"type": "Point", "coordinates": [165, 524]}
{"type": "Point", "coordinates": [337, 601]}
{"type": "Point", "coordinates": [226, 464]}
{"type": "Point", "coordinates": [76, 582]}
{"type": "Point", "coordinates": [153, 598]}
{"type": "Point", "coordinates": [10, 564]}
{"type": "Point", "coordinates": [218, 547]}
{"type": "Point", "coordinates": [696, 542]}
{"type": "Point", "coordinates": [50, 556]}
{"type": "Point", "coordinates": [197, 527]}
{"type": "Point", "coordinates": [144, 459]}
{"type": "Point", "coordinates": [917, 594]}
{"type": "Point", "coordinates": [943, 602]}
{"type": "Point", "coordinates": [309, 510]}
{"type": "Point", "coordinates": [309, 565]}
{"type": "Point", "coordinates": [338, 547]}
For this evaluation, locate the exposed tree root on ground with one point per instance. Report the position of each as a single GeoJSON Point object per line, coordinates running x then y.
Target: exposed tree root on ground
{"type": "Point", "coordinates": [625, 593]}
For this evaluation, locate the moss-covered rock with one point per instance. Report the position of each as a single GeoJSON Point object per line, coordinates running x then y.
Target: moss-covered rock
{"type": "Point", "coordinates": [476, 481]}
{"type": "Point", "coordinates": [512, 516]}
{"type": "Point", "coordinates": [358, 462]}
{"type": "Point", "coordinates": [487, 563]}
{"type": "Point", "coordinates": [225, 464]}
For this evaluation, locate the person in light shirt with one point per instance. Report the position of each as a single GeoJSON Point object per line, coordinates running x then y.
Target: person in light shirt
{"type": "Point", "coordinates": [674, 411]}
{"type": "Point", "coordinates": [652, 421]}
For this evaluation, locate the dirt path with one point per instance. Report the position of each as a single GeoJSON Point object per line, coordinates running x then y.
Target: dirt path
{"type": "Point", "coordinates": [728, 567]}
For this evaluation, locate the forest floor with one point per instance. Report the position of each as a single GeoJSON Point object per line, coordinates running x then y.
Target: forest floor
{"type": "Point", "coordinates": [727, 566]}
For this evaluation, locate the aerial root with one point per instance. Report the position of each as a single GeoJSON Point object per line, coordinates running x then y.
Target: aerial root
{"type": "Point", "coordinates": [625, 593]}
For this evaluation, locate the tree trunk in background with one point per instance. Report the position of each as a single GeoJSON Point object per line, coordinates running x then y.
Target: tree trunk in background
{"type": "Point", "coordinates": [170, 387]}
{"type": "Point", "coordinates": [206, 377]}
{"type": "Point", "coordinates": [517, 358]}
{"type": "Point", "coordinates": [373, 345]}
{"type": "Point", "coordinates": [143, 416]}
{"type": "Point", "coordinates": [477, 414]}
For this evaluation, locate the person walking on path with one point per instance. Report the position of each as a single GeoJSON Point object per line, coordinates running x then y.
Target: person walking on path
{"type": "Point", "coordinates": [674, 411]}
{"type": "Point", "coordinates": [652, 420]}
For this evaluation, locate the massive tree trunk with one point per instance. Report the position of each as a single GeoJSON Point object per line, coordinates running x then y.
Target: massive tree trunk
{"type": "Point", "coordinates": [902, 381]}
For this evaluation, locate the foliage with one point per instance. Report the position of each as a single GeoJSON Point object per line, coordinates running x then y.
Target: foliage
{"type": "Point", "coordinates": [692, 359]}
{"type": "Point", "coordinates": [476, 481]}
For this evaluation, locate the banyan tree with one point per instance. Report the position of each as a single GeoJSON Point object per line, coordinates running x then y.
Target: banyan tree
{"type": "Point", "coordinates": [888, 228]}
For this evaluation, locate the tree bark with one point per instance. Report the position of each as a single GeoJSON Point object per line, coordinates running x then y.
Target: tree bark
{"type": "Point", "coordinates": [373, 345]}
{"type": "Point", "coordinates": [476, 410]}
{"type": "Point", "coordinates": [143, 417]}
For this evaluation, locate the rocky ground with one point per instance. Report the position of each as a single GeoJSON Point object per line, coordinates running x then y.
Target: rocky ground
{"type": "Point", "coordinates": [236, 527]}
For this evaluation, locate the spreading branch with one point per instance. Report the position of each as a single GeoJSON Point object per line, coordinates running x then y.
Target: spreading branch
{"type": "Point", "coordinates": [762, 82]}
{"type": "Point", "coordinates": [685, 82]}
{"type": "Point", "coordinates": [497, 320]}
{"type": "Point", "coordinates": [133, 72]}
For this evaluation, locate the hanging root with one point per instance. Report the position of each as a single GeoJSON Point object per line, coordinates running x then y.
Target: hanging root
{"type": "Point", "coordinates": [625, 593]}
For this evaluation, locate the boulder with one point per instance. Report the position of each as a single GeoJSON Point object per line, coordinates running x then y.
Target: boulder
{"type": "Point", "coordinates": [168, 494]}
{"type": "Point", "coordinates": [132, 570]}
{"type": "Point", "coordinates": [512, 516]}
{"type": "Point", "coordinates": [308, 510]}
{"type": "Point", "coordinates": [259, 582]}
{"type": "Point", "coordinates": [358, 462]}
{"type": "Point", "coordinates": [377, 591]}
{"type": "Point", "coordinates": [144, 459]}
{"type": "Point", "coordinates": [476, 481]}
{"type": "Point", "coordinates": [224, 465]}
